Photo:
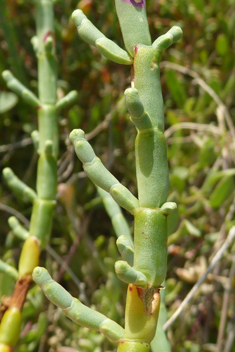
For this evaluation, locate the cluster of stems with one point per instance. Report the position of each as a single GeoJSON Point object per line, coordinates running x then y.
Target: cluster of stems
{"type": "Point", "coordinates": [143, 265]}
{"type": "Point", "coordinates": [46, 143]}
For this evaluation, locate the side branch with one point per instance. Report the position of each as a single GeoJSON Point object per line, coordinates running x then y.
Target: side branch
{"type": "Point", "coordinates": [99, 175]}
{"type": "Point", "coordinates": [93, 36]}
{"type": "Point", "coordinates": [119, 222]}
{"type": "Point", "coordinates": [18, 88]}
{"type": "Point", "coordinates": [18, 187]}
{"type": "Point", "coordinates": [74, 309]}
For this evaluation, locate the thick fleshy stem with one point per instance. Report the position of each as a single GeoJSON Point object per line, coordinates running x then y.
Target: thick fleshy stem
{"type": "Point", "coordinates": [142, 309]}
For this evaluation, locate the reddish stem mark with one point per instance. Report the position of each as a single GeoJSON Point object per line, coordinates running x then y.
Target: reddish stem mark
{"type": "Point", "coordinates": [136, 49]}
{"type": "Point", "coordinates": [5, 303]}
{"type": "Point", "coordinates": [135, 3]}
{"type": "Point", "coordinates": [49, 34]}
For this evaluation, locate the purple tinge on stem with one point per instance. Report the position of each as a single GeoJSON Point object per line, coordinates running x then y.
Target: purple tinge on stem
{"type": "Point", "coordinates": [136, 3]}
{"type": "Point", "coordinates": [49, 34]}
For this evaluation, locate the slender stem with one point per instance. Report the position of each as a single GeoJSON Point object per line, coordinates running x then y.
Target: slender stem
{"type": "Point", "coordinates": [47, 65]}
{"type": "Point", "coordinates": [44, 200]}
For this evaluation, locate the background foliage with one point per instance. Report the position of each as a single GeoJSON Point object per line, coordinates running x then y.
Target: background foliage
{"type": "Point", "coordinates": [198, 81]}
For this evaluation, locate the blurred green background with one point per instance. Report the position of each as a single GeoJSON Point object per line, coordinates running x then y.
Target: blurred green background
{"type": "Point", "coordinates": [198, 83]}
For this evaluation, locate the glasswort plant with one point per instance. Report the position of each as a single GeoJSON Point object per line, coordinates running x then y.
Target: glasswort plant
{"type": "Point", "coordinates": [144, 268]}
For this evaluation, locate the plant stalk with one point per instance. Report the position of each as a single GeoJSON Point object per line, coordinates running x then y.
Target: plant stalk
{"type": "Point", "coordinates": [43, 204]}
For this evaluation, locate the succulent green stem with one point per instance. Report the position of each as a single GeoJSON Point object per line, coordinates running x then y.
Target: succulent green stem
{"type": "Point", "coordinates": [142, 309]}
{"type": "Point", "coordinates": [99, 174]}
{"type": "Point", "coordinates": [18, 187]}
{"type": "Point", "coordinates": [134, 23]}
{"type": "Point", "coordinates": [18, 229]}
{"type": "Point", "coordinates": [17, 87]}
{"type": "Point", "coordinates": [119, 222]}
{"type": "Point", "coordinates": [93, 36]}
{"type": "Point", "coordinates": [8, 269]}
{"type": "Point", "coordinates": [46, 141]}
{"type": "Point", "coordinates": [10, 328]}
{"type": "Point", "coordinates": [74, 309]}
{"type": "Point", "coordinates": [67, 100]}
{"type": "Point", "coordinates": [47, 63]}
{"type": "Point", "coordinates": [126, 249]}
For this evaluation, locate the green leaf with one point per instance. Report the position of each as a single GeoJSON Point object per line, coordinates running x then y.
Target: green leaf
{"type": "Point", "coordinates": [222, 191]}
{"type": "Point", "coordinates": [7, 101]}
{"type": "Point", "coordinates": [191, 229]}
{"type": "Point", "coordinates": [176, 88]}
{"type": "Point", "coordinates": [178, 178]}
{"type": "Point", "coordinates": [199, 4]}
{"type": "Point", "coordinates": [222, 44]}
{"type": "Point", "coordinates": [189, 105]}
{"type": "Point", "coordinates": [207, 153]}
{"type": "Point", "coordinates": [215, 176]}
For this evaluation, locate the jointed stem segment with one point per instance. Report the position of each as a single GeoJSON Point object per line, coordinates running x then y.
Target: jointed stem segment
{"type": "Point", "coordinates": [74, 309]}
{"type": "Point", "coordinates": [128, 274]}
{"type": "Point", "coordinates": [99, 174]}
{"type": "Point", "coordinates": [18, 187]}
{"type": "Point", "coordinates": [17, 87]}
{"type": "Point", "coordinates": [126, 249]}
{"type": "Point", "coordinates": [93, 36]}
{"type": "Point", "coordinates": [142, 309]}
{"type": "Point", "coordinates": [17, 228]}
